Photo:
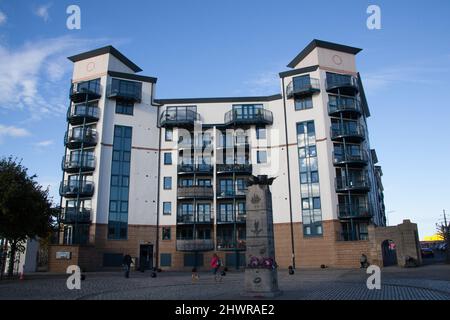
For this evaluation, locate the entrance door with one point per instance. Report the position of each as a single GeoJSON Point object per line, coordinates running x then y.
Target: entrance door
{"type": "Point", "coordinates": [389, 253]}
{"type": "Point", "coordinates": [146, 256]}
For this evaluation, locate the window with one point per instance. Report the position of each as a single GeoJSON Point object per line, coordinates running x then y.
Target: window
{"type": "Point", "coordinates": [303, 103]}
{"type": "Point", "coordinates": [186, 183]}
{"type": "Point", "coordinates": [167, 208]}
{"type": "Point", "coordinates": [169, 134]}
{"type": "Point", "coordinates": [166, 233]}
{"type": "Point", "coordinates": [124, 107]}
{"type": "Point", "coordinates": [260, 133]}
{"type": "Point", "coordinates": [167, 183]}
{"type": "Point", "coordinates": [204, 182]}
{"type": "Point", "coordinates": [203, 212]}
{"type": "Point", "coordinates": [261, 156]}
{"type": "Point", "coordinates": [241, 185]}
{"type": "Point", "coordinates": [167, 158]}
{"type": "Point", "coordinates": [309, 179]}
{"type": "Point", "coordinates": [225, 212]}
{"type": "Point", "coordinates": [166, 260]}
{"type": "Point", "coordinates": [119, 185]}
{"type": "Point", "coordinates": [316, 203]}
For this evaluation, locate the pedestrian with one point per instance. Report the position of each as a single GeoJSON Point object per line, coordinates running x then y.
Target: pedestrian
{"type": "Point", "coordinates": [195, 276]}
{"type": "Point", "coordinates": [127, 264]}
{"type": "Point", "coordinates": [216, 263]}
{"type": "Point", "coordinates": [363, 261]}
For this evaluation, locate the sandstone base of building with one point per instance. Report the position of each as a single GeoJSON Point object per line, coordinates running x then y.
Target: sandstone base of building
{"type": "Point", "coordinates": [261, 283]}
{"type": "Point", "coordinates": [310, 252]}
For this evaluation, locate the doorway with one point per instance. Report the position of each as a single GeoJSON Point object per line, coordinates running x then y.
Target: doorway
{"type": "Point", "coordinates": [145, 257]}
{"type": "Point", "coordinates": [389, 253]}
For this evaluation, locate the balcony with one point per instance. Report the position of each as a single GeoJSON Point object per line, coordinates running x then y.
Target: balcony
{"type": "Point", "coordinates": [235, 143]}
{"type": "Point", "coordinates": [85, 91]}
{"type": "Point", "coordinates": [345, 106]}
{"type": "Point", "coordinates": [230, 194]}
{"type": "Point", "coordinates": [188, 217]}
{"type": "Point", "coordinates": [125, 90]}
{"type": "Point", "coordinates": [178, 118]}
{"type": "Point", "coordinates": [78, 164]}
{"type": "Point", "coordinates": [358, 183]}
{"type": "Point", "coordinates": [342, 84]}
{"type": "Point", "coordinates": [195, 245]}
{"type": "Point", "coordinates": [257, 116]}
{"type": "Point", "coordinates": [354, 160]}
{"type": "Point", "coordinates": [351, 211]}
{"type": "Point", "coordinates": [71, 216]}
{"type": "Point", "coordinates": [234, 168]}
{"type": "Point", "coordinates": [79, 137]}
{"type": "Point", "coordinates": [83, 113]}
{"type": "Point", "coordinates": [228, 244]}
{"type": "Point", "coordinates": [351, 133]}
{"type": "Point", "coordinates": [73, 189]}
{"type": "Point", "coordinates": [195, 192]}
{"type": "Point", "coordinates": [308, 86]}
{"type": "Point", "coordinates": [204, 169]}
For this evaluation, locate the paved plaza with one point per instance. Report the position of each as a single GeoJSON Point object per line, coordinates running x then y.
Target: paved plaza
{"type": "Point", "coordinates": [429, 282]}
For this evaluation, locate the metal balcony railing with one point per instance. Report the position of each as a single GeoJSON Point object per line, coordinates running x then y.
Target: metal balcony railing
{"type": "Point", "coordinates": [198, 168]}
{"type": "Point", "coordinates": [347, 158]}
{"type": "Point", "coordinates": [258, 116]}
{"type": "Point", "coordinates": [195, 244]}
{"type": "Point", "coordinates": [78, 163]}
{"type": "Point", "coordinates": [307, 86]}
{"type": "Point", "coordinates": [78, 136]}
{"type": "Point", "coordinates": [178, 118]}
{"type": "Point", "coordinates": [350, 132]}
{"type": "Point", "coordinates": [203, 192]}
{"type": "Point", "coordinates": [125, 90]}
{"type": "Point", "coordinates": [83, 113]}
{"type": "Point", "coordinates": [354, 183]}
{"type": "Point", "coordinates": [71, 216]}
{"type": "Point", "coordinates": [237, 168]}
{"type": "Point", "coordinates": [74, 188]}
{"type": "Point", "coordinates": [229, 244]}
{"type": "Point", "coordinates": [85, 91]}
{"type": "Point", "coordinates": [342, 84]}
{"type": "Point", "coordinates": [349, 211]}
{"type": "Point", "coordinates": [344, 105]}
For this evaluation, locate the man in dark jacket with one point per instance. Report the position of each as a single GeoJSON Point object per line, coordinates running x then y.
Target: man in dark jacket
{"type": "Point", "coordinates": [127, 264]}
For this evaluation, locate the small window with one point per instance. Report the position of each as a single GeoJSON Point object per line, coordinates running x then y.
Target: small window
{"type": "Point", "coordinates": [305, 203]}
{"type": "Point", "coordinates": [303, 178]}
{"type": "Point", "coordinates": [316, 203]}
{"type": "Point", "coordinates": [169, 134]}
{"type": "Point", "coordinates": [166, 260]}
{"type": "Point", "coordinates": [167, 208]}
{"type": "Point", "coordinates": [124, 107]}
{"type": "Point", "coordinates": [167, 158]}
{"type": "Point", "coordinates": [167, 183]}
{"type": "Point", "coordinates": [261, 156]}
{"type": "Point", "coordinates": [260, 133]}
{"type": "Point", "coordinates": [303, 103]}
{"type": "Point", "coordinates": [314, 176]}
{"type": "Point", "coordinates": [166, 233]}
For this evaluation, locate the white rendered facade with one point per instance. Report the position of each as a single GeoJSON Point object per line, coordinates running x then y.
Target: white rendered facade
{"type": "Point", "coordinates": [342, 190]}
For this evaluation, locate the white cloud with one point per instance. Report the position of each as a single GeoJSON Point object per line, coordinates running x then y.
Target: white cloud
{"type": "Point", "coordinates": [30, 76]}
{"type": "Point", "coordinates": [44, 143]}
{"type": "Point", "coordinates": [3, 18]}
{"type": "Point", "coordinates": [13, 132]}
{"type": "Point", "coordinates": [43, 12]}
{"type": "Point", "coordinates": [265, 83]}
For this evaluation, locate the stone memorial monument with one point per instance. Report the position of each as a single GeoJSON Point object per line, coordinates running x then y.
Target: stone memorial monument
{"type": "Point", "coordinates": [261, 271]}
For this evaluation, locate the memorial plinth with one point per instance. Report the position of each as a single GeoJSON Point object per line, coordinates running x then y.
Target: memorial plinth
{"type": "Point", "coordinates": [261, 271]}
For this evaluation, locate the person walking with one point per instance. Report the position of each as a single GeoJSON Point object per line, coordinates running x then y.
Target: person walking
{"type": "Point", "coordinates": [216, 263]}
{"type": "Point", "coordinates": [127, 264]}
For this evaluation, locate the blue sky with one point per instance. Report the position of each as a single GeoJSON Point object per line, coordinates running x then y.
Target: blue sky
{"type": "Point", "coordinates": [228, 48]}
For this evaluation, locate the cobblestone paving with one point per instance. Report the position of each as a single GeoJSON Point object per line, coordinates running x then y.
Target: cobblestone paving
{"type": "Point", "coordinates": [425, 283]}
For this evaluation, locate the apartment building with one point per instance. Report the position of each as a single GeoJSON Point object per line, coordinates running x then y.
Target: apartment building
{"type": "Point", "coordinates": [164, 180]}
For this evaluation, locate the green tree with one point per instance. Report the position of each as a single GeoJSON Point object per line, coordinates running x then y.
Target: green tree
{"type": "Point", "coordinates": [25, 208]}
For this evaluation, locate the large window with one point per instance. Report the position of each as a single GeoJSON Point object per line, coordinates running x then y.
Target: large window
{"type": "Point", "coordinates": [120, 181]}
{"type": "Point", "coordinates": [203, 212]}
{"type": "Point", "coordinates": [225, 212]}
{"type": "Point", "coordinates": [309, 179]}
{"type": "Point", "coordinates": [247, 111]}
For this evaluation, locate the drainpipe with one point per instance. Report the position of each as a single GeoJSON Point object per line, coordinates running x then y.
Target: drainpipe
{"type": "Point", "coordinates": [289, 175]}
{"type": "Point", "coordinates": [159, 176]}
